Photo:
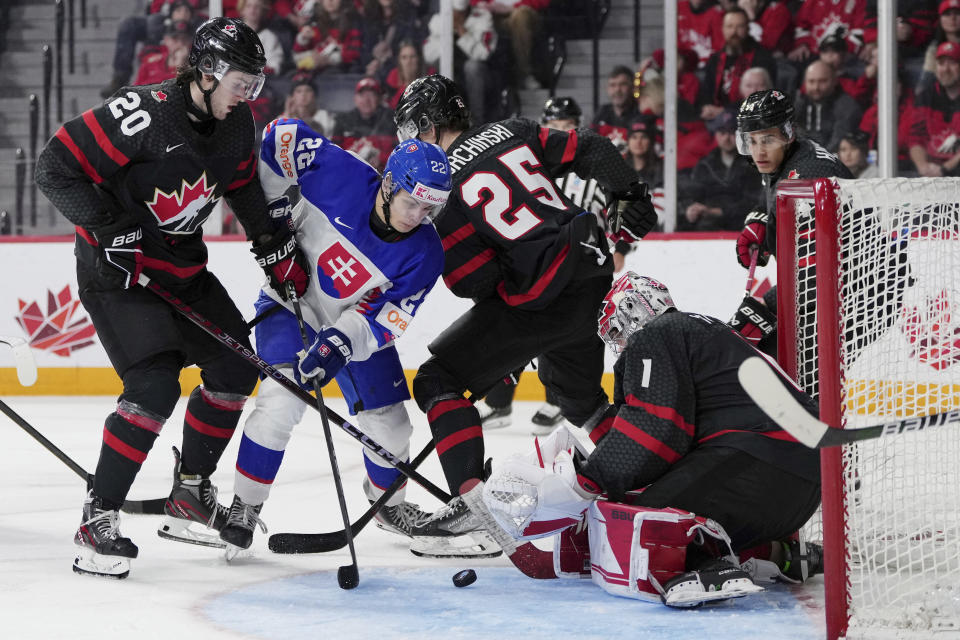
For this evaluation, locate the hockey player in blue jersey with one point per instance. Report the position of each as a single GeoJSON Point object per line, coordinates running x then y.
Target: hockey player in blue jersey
{"type": "Point", "coordinates": [373, 256]}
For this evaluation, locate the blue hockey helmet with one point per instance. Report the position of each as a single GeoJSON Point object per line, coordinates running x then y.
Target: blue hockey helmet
{"type": "Point", "coordinates": [422, 170]}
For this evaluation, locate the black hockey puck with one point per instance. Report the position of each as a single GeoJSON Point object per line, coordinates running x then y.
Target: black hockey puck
{"type": "Point", "coordinates": [464, 578]}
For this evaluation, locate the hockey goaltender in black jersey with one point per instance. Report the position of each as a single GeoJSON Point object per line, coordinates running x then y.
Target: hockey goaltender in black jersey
{"type": "Point", "coordinates": [138, 175]}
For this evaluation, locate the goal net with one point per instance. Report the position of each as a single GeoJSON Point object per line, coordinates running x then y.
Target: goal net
{"type": "Point", "coordinates": [869, 322]}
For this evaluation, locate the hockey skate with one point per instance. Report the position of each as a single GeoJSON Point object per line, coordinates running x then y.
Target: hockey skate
{"type": "Point", "coordinates": [545, 419]}
{"type": "Point", "coordinates": [802, 560]}
{"type": "Point", "coordinates": [400, 518]}
{"type": "Point", "coordinates": [193, 513]}
{"type": "Point", "coordinates": [103, 551]}
{"type": "Point", "coordinates": [242, 521]}
{"type": "Point", "coordinates": [453, 532]}
{"type": "Point", "coordinates": [493, 418]}
{"type": "Point", "coordinates": [715, 580]}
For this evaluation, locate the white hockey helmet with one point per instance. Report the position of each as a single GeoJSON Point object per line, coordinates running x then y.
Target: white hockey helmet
{"type": "Point", "coordinates": [631, 303]}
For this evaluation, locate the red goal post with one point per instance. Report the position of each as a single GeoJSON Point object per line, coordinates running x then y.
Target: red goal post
{"type": "Point", "coordinates": [868, 278]}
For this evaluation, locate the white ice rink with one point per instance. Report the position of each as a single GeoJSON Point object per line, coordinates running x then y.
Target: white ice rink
{"type": "Point", "coordinates": [183, 591]}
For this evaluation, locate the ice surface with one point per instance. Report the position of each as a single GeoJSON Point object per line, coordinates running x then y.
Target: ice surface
{"type": "Point", "coordinates": [186, 591]}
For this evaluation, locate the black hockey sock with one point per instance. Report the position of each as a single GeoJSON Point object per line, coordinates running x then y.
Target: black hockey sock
{"type": "Point", "coordinates": [127, 439]}
{"type": "Point", "coordinates": [456, 430]}
{"type": "Point", "coordinates": [207, 428]}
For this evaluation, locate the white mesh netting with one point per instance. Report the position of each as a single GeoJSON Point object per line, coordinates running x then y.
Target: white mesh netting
{"type": "Point", "coordinates": [899, 334]}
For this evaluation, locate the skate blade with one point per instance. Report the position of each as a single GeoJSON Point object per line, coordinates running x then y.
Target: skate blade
{"type": "Point", "coordinates": [88, 562]}
{"type": "Point", "coordinates": [733, 589]}
{"type": "Point", "coordinates": [232, 552]}
{"type": "Point", "coordinates": [190, 532]}
{"type": "Point", "coordinates": [496, 423]}
{"type": "Point", "coordinates": [475, 544]}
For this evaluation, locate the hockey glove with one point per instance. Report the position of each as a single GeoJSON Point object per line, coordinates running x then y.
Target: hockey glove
{"type": "Point", "coordinates": [631, 214]}
{"type": "Point", "coordinates": [754, 233]}
{"type": "Point", "coordinates": [283, 261]}
{"type": "Point", "coordinates": [326, 356]}
{"type": "Point", "coordinates": [121, 258]}
{"type": "Point", "coordinates": [753, 320]}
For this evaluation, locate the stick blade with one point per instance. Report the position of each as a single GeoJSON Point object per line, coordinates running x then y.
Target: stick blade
{"type": "Point", "coordinates": [291, 543]}
{"type": "Point", "coordinates": [766, 389]}
{"type": "Point", "coordinates": [23, 359]}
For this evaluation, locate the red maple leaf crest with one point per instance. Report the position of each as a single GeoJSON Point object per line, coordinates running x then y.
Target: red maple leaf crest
{"type": "Point", "coordinates": [180, 211]}
{"type": "Point", "coordinates": [159, 96]}
{"type": "Point", "coordinates": [56, 330]}
{"type": "Point", "coordinates": [793, 175]}
{"type": "Point", "coordinates": [931, 332]}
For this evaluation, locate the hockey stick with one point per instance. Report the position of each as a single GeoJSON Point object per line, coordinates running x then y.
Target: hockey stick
{"type": "Point", "coordinates": [22, 358]}
{"type": "Point", "coordinates": [754, 257]}
{"type": "Point", "coordinates": [324, 542]}
{"type": "Point", "coordinates": [348, 576]}
{"type": "Point", "coordinates": [768, 391]}
{"type": "Point", "coordinates": [153, 506]}
{"type": "Point", "coordinates": [221, 336]}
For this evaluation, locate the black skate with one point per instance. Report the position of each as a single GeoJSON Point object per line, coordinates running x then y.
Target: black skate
{"type": "Point", "coordinates": [715, 580]}
{"type": "Point", "coordinates": [802, 560]}
{"type": "Point", "coordinates": [400, 518]}
{"type": "Point", "coordinates": [103, 551]}
{"type": "Point", "coordinates": [494, 418]}
{"type": "Point", "coordinates": [193, 501]}
{"type": "Point", "coordinates": [545, 419]}
{"type": "Point", "coordinates": [454, 531]}
{"type": "Point", "coordinates": [241, 523]}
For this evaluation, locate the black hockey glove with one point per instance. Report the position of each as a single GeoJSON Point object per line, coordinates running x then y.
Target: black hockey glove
{"type": "Point", "coordinates": [631, 214]}
{"type": "Point", "coordinates": [754, 233]}
{"type": "Point", "coordinates": [283, 261]}
{"type": "Point", "coordinates": [121, 259]}
{"type": "Point", "coordinates": [753, 320]}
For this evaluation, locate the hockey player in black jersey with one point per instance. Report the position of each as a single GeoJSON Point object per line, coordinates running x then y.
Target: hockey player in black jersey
{"type": "Point", "coordinates": [138, 175]}
{"type": "Point", "coordinates": [765, 132]}
{"type": "Point", "coordinates": [535, 263]}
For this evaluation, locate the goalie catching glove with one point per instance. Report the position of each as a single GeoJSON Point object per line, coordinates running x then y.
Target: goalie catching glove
{"type": "Point", "coordinates": [753, 320]}
{"type": "Point", "coordinates": [631, 214]}
{"type": "Point", "coordinates": [327, 355]}
{"type": "Point", "coordinates": [283, 261]}
{"type": "Point", "coordinates": [754, 233]}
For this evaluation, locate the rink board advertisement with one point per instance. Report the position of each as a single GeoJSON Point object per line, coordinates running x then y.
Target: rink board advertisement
{"type": "Point", "coordinates": [40, 304]}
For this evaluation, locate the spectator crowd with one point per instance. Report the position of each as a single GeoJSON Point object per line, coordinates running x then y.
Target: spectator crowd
{"type": "Point", "coordinates": [821, 53]}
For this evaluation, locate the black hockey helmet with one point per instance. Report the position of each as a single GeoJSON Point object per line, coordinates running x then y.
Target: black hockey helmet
{"type": "Point", "coordinates": [222, 44]}
{"type": "Point", "coordinates": [764, 110]}
{"type": "Point", "coordinates": [430, 101]}
{"type": "Point", "coordinates": [561, 108]}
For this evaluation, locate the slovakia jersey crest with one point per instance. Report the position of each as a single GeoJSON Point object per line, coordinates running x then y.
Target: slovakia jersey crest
{"type": "Point", "coordinates": [340, 274]}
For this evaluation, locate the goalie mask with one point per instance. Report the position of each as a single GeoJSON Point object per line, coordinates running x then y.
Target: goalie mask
{"type": "Point", "coordinates": [631, 303]}
{"type": "Point", "coordinates": [421, 169]}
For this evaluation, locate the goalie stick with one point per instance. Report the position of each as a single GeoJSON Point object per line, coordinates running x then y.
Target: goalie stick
{"type": "Point", "coordinates": [766, 388]}
{"type": "Point", "coordinates": [22, 359]}
{"type": "Point", "coordinates": [153, 506]}
{"type": "Point", "coordinates": [237, 347]}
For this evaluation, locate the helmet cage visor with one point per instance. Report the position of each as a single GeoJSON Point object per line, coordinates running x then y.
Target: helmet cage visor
{"type": "Point", "coordinates": [764, 138]}
{"type": "Point", "coordinates": [233, 80]}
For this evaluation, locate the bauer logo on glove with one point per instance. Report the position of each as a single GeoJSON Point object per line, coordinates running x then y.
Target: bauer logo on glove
{"type": "Point", "coordinates": [753, 320]}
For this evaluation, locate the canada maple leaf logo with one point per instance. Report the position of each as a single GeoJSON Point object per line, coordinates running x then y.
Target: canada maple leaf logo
{"type": "Point", "coordinates": [183, 210]}
{"type": "Point", "coordinates": [60, 330]}
{"type": "Point", "coordinates": [932, 334]}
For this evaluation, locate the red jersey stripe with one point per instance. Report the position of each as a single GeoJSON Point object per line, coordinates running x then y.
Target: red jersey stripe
{"type": "Point", "coordinates": [220, 403]}
{"type": "Point", "coordinates": [207, 429]}
{"type": "Point", "coordinates": [256, 479]}
{"type": "Point", "coordinates": [122, 447]}
{"type": "Point", "coordinates": [102, 140]}
{"type": "Point", "coordinates": [444, 406]}
{"type": "Point", "coordinates": [601, 429]}
{"type": "Point", "coordinates": [141, 421]}
{"type": "Point", "coordinates": [539, 286]}
{"type": "Point", "coordinates": [667, 413]}
{"type": "Point", "coordinates": [168, 267]}
{"type": "Point", "coordinates": [459, 437]}
{"type": "Point", "coordinates": [458, 235]}
{"type": "Point", "coordinates": [469, 267]}
{"type": "Point", "coordinates": [775, 435]}
{"type": "Point", "coordinates": [645, 440]}
{"type": "Point", "coordinates": [86, 235]}
{"type": "Point", "coordinates": [72, 147]}
{"type": "Point", "coordinates": [544, 134]}
{"type": "Point", "coordinates": [571, 149]}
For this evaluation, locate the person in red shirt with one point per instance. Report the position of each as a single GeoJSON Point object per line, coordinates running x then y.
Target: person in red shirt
{"type": "Point", "coordinates": [331, 40]}
{"type": "Point", "coordinates": [771, 24]}
{"type": "Point", "coordinates": [699, 27]}
{"type": "Point", "coordinates": [935, 126]}
{"type": "Point", "coordinates": [159, 63]}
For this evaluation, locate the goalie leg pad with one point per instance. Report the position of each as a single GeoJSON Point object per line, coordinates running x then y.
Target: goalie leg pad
{"type": "Point", "coordinates": [635, 550]}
